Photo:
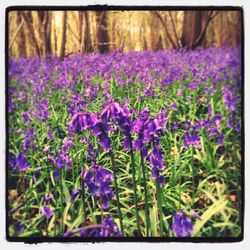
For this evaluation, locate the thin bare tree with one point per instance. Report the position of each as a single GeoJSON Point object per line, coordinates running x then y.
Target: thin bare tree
{"type": "Point", "coordinates": [27, 15]}
{"type": "Point", "coordinates": [64, 30]}
{"type": "Point", "coordinates": [102, 31]}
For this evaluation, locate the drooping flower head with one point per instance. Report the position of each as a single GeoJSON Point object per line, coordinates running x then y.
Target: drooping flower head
{"type": "Point", "coordinates": [121, 115]}
{"type": "Point", "coordinates": [113, 229]}
{"type": "Point", "coordinates": [46, 212]}
{"type": "Point", "coordinates": [73, 195]}
{"type": "Point", "coordinates": [98, 181]}
{"type": "Point", "coordinates": [191, 139]}
{"type": "Point", "coordinates": [182, 225]}
{"type": "Point", "coordinates": [21, 162]}
{"type": "Point", "coordinates": [19, 227]}
{"type": "Point", "coordinates": [83, 121]}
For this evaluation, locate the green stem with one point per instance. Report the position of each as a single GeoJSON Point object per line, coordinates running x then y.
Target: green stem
{"type": "Point", "coordinates": [131, 152]}
{"type": "Point", "coordinates": [116, 190]}
{"type": "Point", "coordinates": [61, 194]}
{"type": "Point", "coordinates": [101, 209]}
{"type": "Point", "coordinates": [47, 231]}
{"type": "Point", "coordinates": [55, 224]}
{"type": "Point", "coordinates": [180, 189]}
{"type": "Point", "coordinates": [146, 194]}
{"type": "Point", "coordinates": [73, 170]}
{"type": "Point", "coordinates": [193, 180]}
{"type": "Point", "coordinates": [159, 204]}
{"type": "Point", "coordinates": [83, 203]}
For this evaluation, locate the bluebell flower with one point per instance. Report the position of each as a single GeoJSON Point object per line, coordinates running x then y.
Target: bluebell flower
{"type": "Point", "coordinates": [182, 225]}
{"type": "Point", "coordinates": [98, 181]}
{"type": "Point", "coordinates": [21, 162]}
{"type": "Point", "coordinates": [73, 195]}
{"type": "Point", "coordinates": [191, 139]}
{"type": "Point", "coordinates": [46, 212]}
{"type": "Point", "coordinates": [25, 117]}
{"type": "Point", "coordinates": [19, 227]}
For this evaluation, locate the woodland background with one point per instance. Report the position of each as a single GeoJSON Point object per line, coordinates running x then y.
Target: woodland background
{"type": "Point", "coordinates": [61, 33]}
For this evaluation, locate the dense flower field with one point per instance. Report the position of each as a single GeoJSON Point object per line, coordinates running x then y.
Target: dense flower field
{"type": "Point", "coordinates": [125, 144]}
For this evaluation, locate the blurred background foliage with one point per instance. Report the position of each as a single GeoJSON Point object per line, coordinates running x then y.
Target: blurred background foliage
{"type": "Point", "coordinates": [61, 33]}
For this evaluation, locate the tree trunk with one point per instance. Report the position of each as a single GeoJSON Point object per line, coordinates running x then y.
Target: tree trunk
{"type": "Point", "coordinates": [21, 41]}
{"type": "Point", "coordinates": [191, 28]}
{"type": "Point", "coordinates": [238, 28]}
{"type": "Point", "coordinates": [195, 24]}
{"type": "Point", "coordinates": [55, 35]}
{"type": "Point", "coordinates": [80, 34]}
{"type": "Point", "coordinates": [102, 31]}
{"type": "Point", "coordinates": [87, 40]}
{"type": "Point", "coordinates": [29, 23]}
{"type": "Point", "coordinates": [48, 34]}
{"type": "Point", "coordinates": [63, 41]}
{"type": "Point", "coordinates": [164, 24]}
{"type": "Point", "coordinates": [154, 33]}
{"type": "Point", "coordinates": [44, 18]}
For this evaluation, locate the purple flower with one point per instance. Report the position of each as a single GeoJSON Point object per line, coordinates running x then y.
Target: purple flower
{"type": "Point", "coordinates": [105, 142]}
{"type": "Point", "coordinates": [217, 120]}
{"type": "Point", "coordinates": [62, 160]}
{"type": "Point", "coordinates": [73, 195]}
{"type": "Point", "coordinates": [28, 141]}
{"type": "Point", "coordinates": [237, 127]}
{"type": "Point", "coordinates": [19, 227]}
{"type": "Point", "coordinates": [12, 161]}
{"type": "Point", "coordinates": [67, 143]}
{"type": "Point", "coordinates": [195, 214]}
{"type": "Point", "coordinates": [175, 126]}
{"type": "Point", "coordinates": [50, 135]}
{"type": "Point", "coordinates": [99, 182]}
{"type": "Point", "coordinates": [188, 124]}
{"type": "Point", "coordinates": [173, 106]}
{"type": "Point", "coordinates": [46, 212]}
{"type": "Point", "coordinates": [82, 121]}
{"type": "Point", "coordinates": [56, 174]}
{"type": "Point", "coordinates": [77, 104]}
{"type": "Point", "coordinates": [156, 159]}
{"type": "Point", "coordinates": [115, 111]}
{"type": "Point", "coordinates": [26, 117]}
{"type": "Point", "coordinates": [127, 143]}
{"type": "Point", "coordinates": [183, 225]}
{"type": "Point", "coordinates": [48, 197]}
{"type": "Point", "coordinates": [229, 98]}
{"type": "Point", "coordinates": [179, 92]}
{"type": "Point", "coordinates": [191, 140]}
{"type": "Point", "coordinates": [113, 229]}
{"type": "Point", "coordinates": [21, 162]}
{"type": "Point", "coordinates": [119, 114]}
{"type": "Point", "coordinates": [220, 139]}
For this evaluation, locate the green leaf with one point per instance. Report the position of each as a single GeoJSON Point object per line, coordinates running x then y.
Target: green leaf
{"type": "Point", "coordinates": [207, 215]}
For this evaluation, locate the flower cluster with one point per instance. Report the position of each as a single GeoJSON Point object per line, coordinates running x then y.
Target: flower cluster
{"type": "Point", "coordinates": [109, 228]}
{"type": "Point", "coordinates": [120, 114]}
{"type": "Point", "coordinates": [28, 141]}
{"type": "Point", "coordinates": [229, 98]}
{"type": "Point", "coordinates": [21, 163]}
{"type": "Point", "coordinates": [98, 181]}
{"type": "Point", "coordinates": [191, 139]}
{"type": "Point", "coordinates": [83, 121]}
{"type": "Point", "coordinates": [183, 225]}
{"type": "Point", "coordinates": [61, 160]}
{"type": "Point", "coordinates": [148, 132]}
{"type": "Point", "coordinates": [76, 104]}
